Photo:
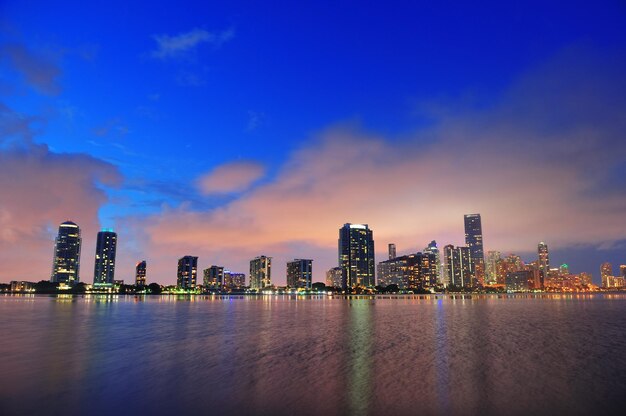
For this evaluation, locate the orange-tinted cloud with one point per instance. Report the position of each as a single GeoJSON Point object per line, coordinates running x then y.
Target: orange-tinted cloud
{"type": "Point", "coordinates": [231, 177]}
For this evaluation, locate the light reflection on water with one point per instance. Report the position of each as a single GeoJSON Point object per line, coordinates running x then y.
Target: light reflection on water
{"type": "Point", "coordinates": [445, 354]}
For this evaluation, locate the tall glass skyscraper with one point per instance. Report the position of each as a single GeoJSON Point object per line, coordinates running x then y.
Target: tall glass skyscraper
{"type": "Point", "coordinates": [66, 261]}
{"type": "Point", "coordinates": [544, 262]}
{"type": "Point", "coordinates": [458, 266]}
{"type": "Point", "coordinates": [104, 268]}
{"type": "Point", "coordinates": [474, 240]}
{"type": "Point", "coordinates": [356, 256]}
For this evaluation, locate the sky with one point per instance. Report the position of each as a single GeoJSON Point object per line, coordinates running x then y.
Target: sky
{"type": "Point", "coordinates": [237, 129]}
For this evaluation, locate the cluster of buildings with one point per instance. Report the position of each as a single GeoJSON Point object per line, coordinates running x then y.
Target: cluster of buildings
{"type": "Point", "coordinates": [462, 268]}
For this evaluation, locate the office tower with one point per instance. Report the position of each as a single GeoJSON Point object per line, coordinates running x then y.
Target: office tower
{"type": "Point", "coordinates": [187, 272]}
{"type": "Point", "coordinates": [606, 273]}
{"type": "Point", "coordinates": [299, 273]}
{"type": "Point", "coordinates": [493, 260]}
{"type": "Point", "coordinates": [260, 272]}
{"type": "Point", "coordinates": [563, 269]}
{"type": "Point", "coordinates": [458, 266]}
{"type": "Point", "coordinates": [544, 261]}
{"type": "Point", "coordinates": [434, 250]}
{"type": "Point", "coordinates": [392, 251]}
{"type": "Point", "coordinates": [140, 274]}
{"type": "Point", "coordinates": [474, 240]}
{"type": "Point", "coordinates": [104, 269]}
{"type": "Point", "coordinates": [213, 277]}
{"type": "Point", "coordinates": [333, 277]}
{"type": "Point", "coordinates": [66, 260]}
{"type": "Point", "coordinates": [519, 281]}
{"type": "Point", "coordinates": [622, 269]}
{"type": "Point", "coordinates": [356, 256]}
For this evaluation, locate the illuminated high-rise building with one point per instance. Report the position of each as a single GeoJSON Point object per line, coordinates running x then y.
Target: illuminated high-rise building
{"type": "Point", "coordinates": [334, 277]}
{"type": "Point", "coordinates": [234, 280]}
{"type": "Point", "coordinates": [300, 273]}
{"type": "Point", "coordinates": [434, 250]}
{"type": "Point", "coordinates": [392, 251]}
{"type": "Point", "coordinates": [66, 261]}
{"type": "Point", "coordinates": [104, 268]}
{"type": "Point", "coordinates": [260, 272]}
{"type": "Point", "coordinates": [213, 277]}
{"type": "Point", "coordinates": [543, 262]}
{"type": "Point", "coordinates": [458, 266]}
{"type": "Point", "coordinates": [187, 272]}
{"type": "Point", "coordinates": [474, 240]}
{"type": "Point", "coordinates": [622, 270]}
{"type": "Point", "coordinates": [356, 256]}
{"type": "Point", "coordinates": [493, 261]}
{"type": "Point", "coordinates": [606, 274]}
{"type": "Point", "coordinates": [563, 269]}
{"type": "Point", "coordinates": [140, 274]}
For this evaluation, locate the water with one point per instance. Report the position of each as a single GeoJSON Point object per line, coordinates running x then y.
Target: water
{"type": "Point", "coordinates": [513, 355]}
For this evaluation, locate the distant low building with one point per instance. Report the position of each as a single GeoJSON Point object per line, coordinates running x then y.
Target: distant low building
{"type": "Point", "coordinates": [22, 286]}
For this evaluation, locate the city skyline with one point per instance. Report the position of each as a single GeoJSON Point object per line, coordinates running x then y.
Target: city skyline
{"type": "Point", "coordinates": [425, 269]}
{"type": "Point", "coordinates": [173, 133]}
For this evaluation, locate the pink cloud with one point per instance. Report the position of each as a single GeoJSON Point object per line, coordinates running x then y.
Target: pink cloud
{"type": "Point", "coordinates": [230, 177]}
{"type": "Point", "coordinates": [41, 189]}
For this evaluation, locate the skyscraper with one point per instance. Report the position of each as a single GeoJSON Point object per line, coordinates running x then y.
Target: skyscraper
{"type": "Point", "coordinates": [66, 261]}
{"type": "Point", "coordinates": [458, 266]}
{"type": "Point", "coordinates": [493, 261]}
{"type": "Point", "coordinates": [187, 272]}
{"type": "Point", "coordinates": [260, 272]}
{"type": "Point", "coordinates": [356, 256]}
{"type": "Point", "coordinates": [434, 250]}
{"type": "Point", "coordinates": [544, 262]}
{"type": "Point", "coordinates": [104, 268]}
{"type": "Point", "coordinates": [474, 240]}
{"type": "Point", "coordinates": [392, 251]}
{"type": "Point", "coordinates": [606, 274]}
{"type": "Point", "coordinates": [140, 274]}
{"type": "Point", "coordinates": [299, 273]}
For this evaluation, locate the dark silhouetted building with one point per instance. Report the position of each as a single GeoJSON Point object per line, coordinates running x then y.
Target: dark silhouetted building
{"type": "Point", "coordinates": [104, 269]}
{"type": "Point", "coordinates": [140, 274]}
{"type": "Point", "coordinates": [356, 256]}
{"type": "Point", "coordinates": [66, 261]}
{"type": "Point", "coordinates": [261, 272]}
{"type": "Point", "coordinates": [300, 273]}
{"type": "Point", "coordinates": [187, 272]}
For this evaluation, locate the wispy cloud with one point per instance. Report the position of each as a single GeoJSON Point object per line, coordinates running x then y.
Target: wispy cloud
{"type": "Point", "coordinates": [231, 177]}
{"type": "Point", "coordinates": [173, 46]}
{"type": "Point", "coordinates": [39, 72]}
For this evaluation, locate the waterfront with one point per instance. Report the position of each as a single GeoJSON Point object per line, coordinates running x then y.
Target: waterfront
{"type": "Point", "coordinates": [462, 354]}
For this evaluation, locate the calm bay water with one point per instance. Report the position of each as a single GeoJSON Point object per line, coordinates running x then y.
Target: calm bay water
{"type": "Point", "coordinates": [549, 354]}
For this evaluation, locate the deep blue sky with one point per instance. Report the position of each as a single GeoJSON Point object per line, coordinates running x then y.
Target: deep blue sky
{"type": "Point", "coordinates": [278, 74]}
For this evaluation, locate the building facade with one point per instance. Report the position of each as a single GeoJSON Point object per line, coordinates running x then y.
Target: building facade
{"type": "Point", "coordinates": [356, 256]}
{"type": "Point", "coordinates": [432, 248]}
{"type": "Point", "coordinates": [543, 262]}
{"type": "Point", "coordinates": [234, 280]}
{"type": "Point", "coordinates": [66, 260]}
{"type": "Point", "coordinates": [140, 274]}
{"type": "Point", "coordinates": [187, 272]}
{"type": "Point", "coordinates": [213, 277]}
{"type": "Point", "coordinates": [458, 266]}
{"type": "Point", "coordinates": [519, 281]}
{"type": "Point", "coordinates": [104, 268]}
{"type": "Point", "coordinates": [300, 273]}
{"type": "Point", "coordinates": [474, 241]}
{"type": "Point", "coordinates": [334, 277]}
{"type": "Point", "coordinates": [260, 272]}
